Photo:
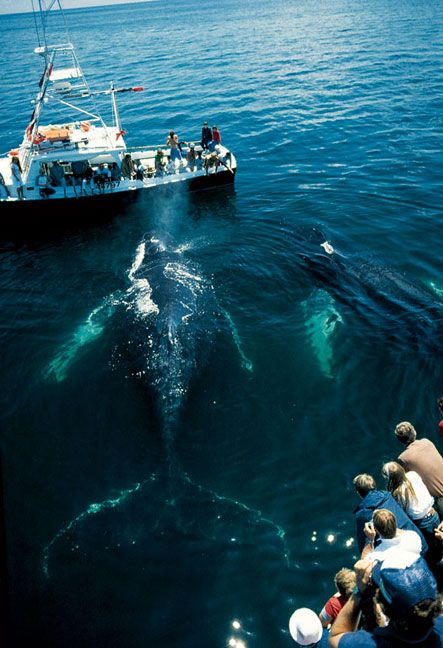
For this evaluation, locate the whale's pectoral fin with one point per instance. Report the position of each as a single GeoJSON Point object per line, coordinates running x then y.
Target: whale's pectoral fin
{"type": "Point", "coordinates": [438, 290]}
{"type": "Point", "coordinates": [321, 321]}
{"type": "Point", "coordinates": [86, 333]}
{"type": "Point", "coordinates": [246, 363]}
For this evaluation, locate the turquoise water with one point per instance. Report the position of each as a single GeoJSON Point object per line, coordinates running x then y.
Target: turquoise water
{"type": "Point", "coordinates": [155, 502]}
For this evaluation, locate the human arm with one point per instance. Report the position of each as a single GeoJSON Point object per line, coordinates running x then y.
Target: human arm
{"type": "Point", "coordinates": [348, 617]}
{"type": "Point", "coordinates": [370, 534]}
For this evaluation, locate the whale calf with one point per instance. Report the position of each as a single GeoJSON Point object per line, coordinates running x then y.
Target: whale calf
{"type": "Point", "coordinates": [386, 302]}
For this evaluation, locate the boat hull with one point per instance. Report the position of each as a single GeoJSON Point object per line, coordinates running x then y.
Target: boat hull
{"type": "Point", "coordinates": [100, 205]}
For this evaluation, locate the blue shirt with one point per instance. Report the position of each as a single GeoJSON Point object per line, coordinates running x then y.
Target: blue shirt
{"type": "Point", "coordinates": [383, 638]}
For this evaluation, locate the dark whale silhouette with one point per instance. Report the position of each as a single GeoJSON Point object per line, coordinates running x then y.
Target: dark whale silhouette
{"type": "Point", "coordinates": [387, 302]}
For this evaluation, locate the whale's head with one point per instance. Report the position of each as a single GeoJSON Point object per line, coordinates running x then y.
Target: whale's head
{"type": "Point", "coordinates": [320, 262]}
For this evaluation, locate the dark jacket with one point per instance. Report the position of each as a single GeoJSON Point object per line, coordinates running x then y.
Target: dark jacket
{"type": "Point", "coordinates": [206, 135]}
{"type": "Point", "coordinates": [378, 499]}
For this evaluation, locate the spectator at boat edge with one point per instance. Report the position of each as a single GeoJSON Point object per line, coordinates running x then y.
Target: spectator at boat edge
{"type": "Point", "coordinates": [88, 179]}
{"type": "Point", "coordinates": [373, 499]}
{"type": "Point", "coordinates": [406, 594]}
{"type": "Point", "coordinates": [116, 174]}
{"type": "Point", "coordinates": [392, 539]}
{"type": "Point", "coordinates": [409, 490]}
{"type": "Point", "coordinates": [102, 177]}
{"type": "Point", "coordinates": [78, 173]}
{"type": "Point", "coordinates": [345, 581]}
{"type": "Point", "coordinates": [216, 139]}
{"type": "Point", "coordinates": [191, 158]}
{"type": "Point", "coordinates": [159, 162]}
{"type": "Point", "coordinates": [127, 167]}
{"type": "Point", "coordinates": [206, 135]}
{"type": "Point", "coordinates": [3, 185]}
{"type": "Point", "coordinates": [216, 136]}
{"type": "Point", "coordinates": [306, 629]}
{"type": "Point", "coordinates": [57, 175]}
{"type": "Point", "coordinates": [422, 456]}
{"type": "Point", "coordinates": [42, 183]}
{"type": "Point", "coordinates": [172, 142]}
{"type": "Point", "coordinates": [139, 169]}
{"type": "Point", "coordinates": [16, 177]}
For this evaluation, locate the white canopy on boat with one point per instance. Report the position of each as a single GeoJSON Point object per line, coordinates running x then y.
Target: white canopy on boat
{"type": "Point", "coordinates": [65, 73]}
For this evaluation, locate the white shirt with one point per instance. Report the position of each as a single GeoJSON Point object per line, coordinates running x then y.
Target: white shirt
{"type": "Point", "coordinates": [408, 541]}
{"type": "Point", "coordinates": [423, 501]}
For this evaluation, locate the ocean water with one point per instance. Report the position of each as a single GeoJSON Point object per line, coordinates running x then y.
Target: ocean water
{"type": "Point", "coordinates": [193, 485]}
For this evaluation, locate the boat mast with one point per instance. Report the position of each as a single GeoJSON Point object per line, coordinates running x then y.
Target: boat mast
{"type": "Point", "coordinates": [67, 81]}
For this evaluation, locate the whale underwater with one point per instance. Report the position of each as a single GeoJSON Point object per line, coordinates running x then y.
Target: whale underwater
{"type": "Point", "coordinates": [172, 316]}
{"type": "Point", "coordinates": [385, 305]}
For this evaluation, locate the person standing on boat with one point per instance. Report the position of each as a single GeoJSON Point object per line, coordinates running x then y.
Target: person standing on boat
{"type": "Point", "coordinates": [159, 163]}
{"type": "Point", "coordinates": [128, 167]}
{"type": "Point", "coordinates": [172, 142]}
{"type": "Point", "coordinates": [16, 177]}
{"type": "Point", "coordinates": [78, 172]}
{"type": "Point", "coordinates": [115, 174]}
{"type": "Point", "coordinates": [191, 159]}
{"type": "Point", "coordinates": [409, 490]}
{"type": "Point", "coordinates": [57, 176]}
{"type": "Point", "coordinates": [206, 135]}
{"type": "Point", "coordinates": [216, 137]}
{"type": "Point", "coordinates": [88, 180]}
{"type": "Point", "coordinates": [3, 184]}
{"type": "Point", "coordinates": [421, 456]}
{"type": "Point", "coordinates": [42, 183]}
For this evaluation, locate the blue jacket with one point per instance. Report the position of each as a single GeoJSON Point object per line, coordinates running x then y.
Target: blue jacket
{"type": "Point", "coordinates": [378, 499]}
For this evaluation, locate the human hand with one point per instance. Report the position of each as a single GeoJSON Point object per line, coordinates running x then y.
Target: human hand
{"type": "Point", "coordinates": [438, 531]}
{"type": "Point", "coordinates": [369, 531]}
{"type": "Point", "coordinates": [363, 569]}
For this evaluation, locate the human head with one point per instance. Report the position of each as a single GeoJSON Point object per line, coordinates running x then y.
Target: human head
{"type": "Point", "coordinates": [305, 627]}
{"type": "Point", "coordinates": [205, 123]}
{"type": "Point", "coordinates": [214, 128]}
{"type": "Point", "coordinates": [395, 473]}
{"type": "Point", "coordinates": [345, 581]}
{"type": "Point", "coordinates": [385, 523]}
{"type": "Point", "coordinates": [171, 133]}
{"type": "Point", "coordinates": [405, 432]}
{"type": "Point", "coordinates": [364, 483]}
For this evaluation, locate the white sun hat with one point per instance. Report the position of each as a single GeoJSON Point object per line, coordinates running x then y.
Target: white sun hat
{"type": "Point", "coordinates": [305, 627]}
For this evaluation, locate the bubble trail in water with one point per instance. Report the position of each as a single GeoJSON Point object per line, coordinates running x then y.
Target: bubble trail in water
{"type": "Point", "coordinates": [92, 509]}
{"type": "Point", "coordinates": [246, 363]}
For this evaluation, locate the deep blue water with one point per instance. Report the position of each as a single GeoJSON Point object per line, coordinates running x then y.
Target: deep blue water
{"type": "Point", "coordinates": [241, 507]}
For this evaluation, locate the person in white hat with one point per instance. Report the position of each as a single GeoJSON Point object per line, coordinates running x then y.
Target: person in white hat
{"type": "Point", "coordinates": [306, 629]}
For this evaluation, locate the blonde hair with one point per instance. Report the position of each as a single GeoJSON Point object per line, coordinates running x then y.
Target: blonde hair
{"type": "Point", "coordinates": [345, 580]}
{"type": "Point", "coordinates": [399, 485]}
{"type": "Point", "coordinates": [364, 483]}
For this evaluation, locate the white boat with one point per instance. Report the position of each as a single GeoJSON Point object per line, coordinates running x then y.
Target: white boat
{"type": "Point", "coordinates": [68, 162]}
